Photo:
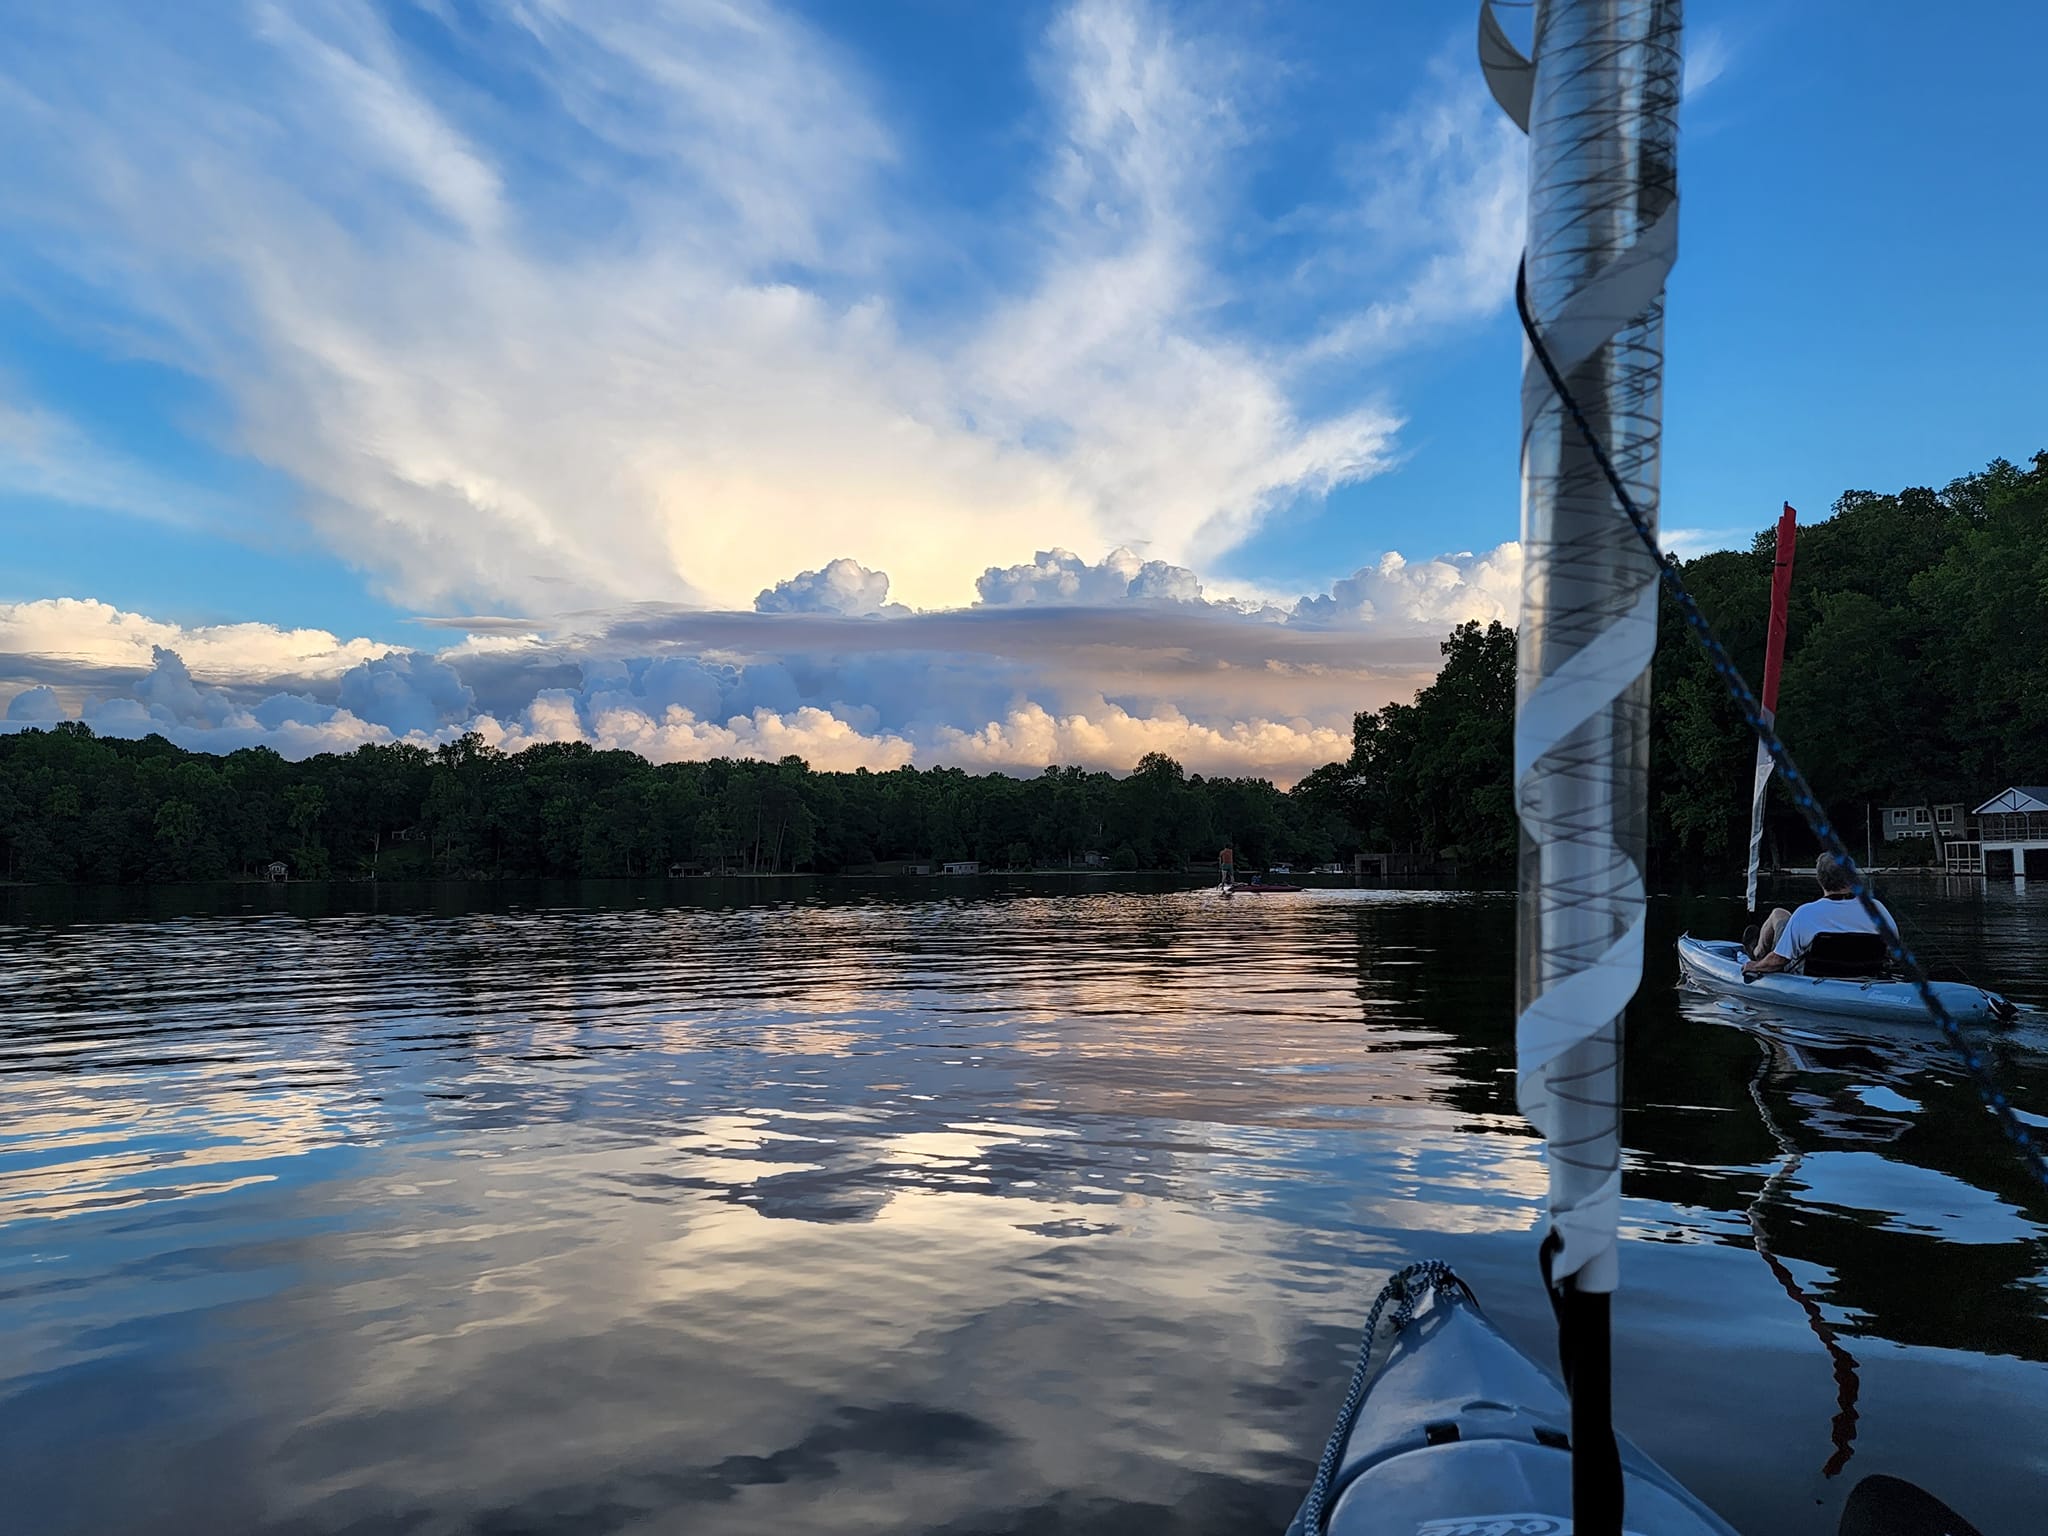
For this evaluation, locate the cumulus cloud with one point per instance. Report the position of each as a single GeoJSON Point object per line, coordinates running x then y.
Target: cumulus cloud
{"type": "Point", "coordinates": [92, 634]}
{"type": "Point", "coordinates": [166, 700]}
{"type": "Point", "coordinates": [1059, 576]}
{"type": "Point", "coordinates": [821, 738]}
{"type": "Point", "coordinates": [1063, 660]}
{"type": "Point", "coordinates": [1109, 736]}
{"type": "Point", "coordinates": [292, 709]}
{"type": "Point", "coordinates": [406, 692]}
{"type": "Point", "coordinates": [36, 706]}
{"type": "Point", "coordinates": [630, 330]}
{"type": "Point", "coordinates": [168, 693]}
{"type": "Point", "coordinates": [1393, 595]}
{"type": "Point", "coordinates": [843, 586]}
{"type": "Point", "coordinates": [1424, 594]}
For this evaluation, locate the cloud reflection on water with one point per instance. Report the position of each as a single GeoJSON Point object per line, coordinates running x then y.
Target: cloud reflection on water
{"type": "Point", "coordinates": [1028, 1214]}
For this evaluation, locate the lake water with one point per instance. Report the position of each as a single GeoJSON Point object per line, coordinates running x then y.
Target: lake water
{"type": "Point", "coordinates": [955, 1207]}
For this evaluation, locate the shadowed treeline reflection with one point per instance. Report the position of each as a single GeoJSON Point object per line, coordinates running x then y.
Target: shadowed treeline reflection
{"type": "Point", "coordinates": [1019, 1210]}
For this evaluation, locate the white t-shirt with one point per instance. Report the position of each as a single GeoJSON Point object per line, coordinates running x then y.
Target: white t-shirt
{"type": "Point", "coordinates": [1828, 915]}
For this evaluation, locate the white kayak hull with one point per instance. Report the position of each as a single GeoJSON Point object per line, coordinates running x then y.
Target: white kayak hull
{"type": "Point", "coordinates": [1715, 965]}
{"type": "Point", "coordinates": [1461, 1434]}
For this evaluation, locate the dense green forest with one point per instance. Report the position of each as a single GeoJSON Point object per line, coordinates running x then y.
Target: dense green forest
{"type": "Point", "coordinates": [77, 806]}
{"type": "Point", "coordinates": [1917, 670]}
{"type": "Point", "coordinates": [1916, 666]}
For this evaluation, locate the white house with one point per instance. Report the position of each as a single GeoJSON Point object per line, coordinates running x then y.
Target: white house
{"type": "Point", "coordinates": [963, 867]}
{"type": "Point", "coordinates": [2013, 830]}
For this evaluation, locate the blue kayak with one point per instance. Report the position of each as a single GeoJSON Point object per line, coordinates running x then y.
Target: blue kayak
{"type": "Point", "coordinates": [1461, 1434]}
{"type": "Point", "coordinates": [1715, 965]}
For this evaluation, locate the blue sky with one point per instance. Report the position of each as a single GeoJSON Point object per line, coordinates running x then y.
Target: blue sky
{"type": "Point", "coordinates": [337, 317]}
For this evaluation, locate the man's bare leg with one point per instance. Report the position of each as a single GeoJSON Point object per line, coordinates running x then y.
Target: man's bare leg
{"type": "Point", "coordinates": [1774, 928]}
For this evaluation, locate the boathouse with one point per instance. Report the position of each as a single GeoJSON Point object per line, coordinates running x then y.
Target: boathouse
{"type": "Point", "coordinates": [2012, 831]}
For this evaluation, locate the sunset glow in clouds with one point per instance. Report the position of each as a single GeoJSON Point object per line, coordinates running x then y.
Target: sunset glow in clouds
{"type": "Point", "coordinates": [1031, 384]}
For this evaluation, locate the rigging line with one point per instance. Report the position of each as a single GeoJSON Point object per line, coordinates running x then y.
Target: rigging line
{"type": "Point", "coordinates": [1842, 1429]}
{"type": "Point", "coordinates": [1928, 941]}
{"type": "Point", "coordinates": [1809, 806]}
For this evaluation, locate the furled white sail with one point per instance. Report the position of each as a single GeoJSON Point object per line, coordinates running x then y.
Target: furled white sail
{"type": "Point", "coordinates": [1759, 790]}
{"type": "Point", "coordinates": [1599, 98]}
{"type": "Point", "coordinates": [1774, 667]}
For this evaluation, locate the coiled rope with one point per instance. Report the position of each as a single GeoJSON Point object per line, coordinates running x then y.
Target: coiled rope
{"type": "Point", "coordinates": [1810, 808]}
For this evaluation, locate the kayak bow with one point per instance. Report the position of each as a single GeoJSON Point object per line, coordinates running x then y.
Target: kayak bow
{"type": "Point", "coordinates": [1459, 1432]}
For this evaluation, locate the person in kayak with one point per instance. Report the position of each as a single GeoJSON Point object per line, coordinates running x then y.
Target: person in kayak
{"type": "Point", "coordinates": [1781, 943]}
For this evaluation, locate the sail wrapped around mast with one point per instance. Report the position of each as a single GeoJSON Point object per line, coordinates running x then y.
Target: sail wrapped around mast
{"type": "Point", "coordinates": [1774, 665]}
{"type": "Point", "coordinates": [1599, 99]}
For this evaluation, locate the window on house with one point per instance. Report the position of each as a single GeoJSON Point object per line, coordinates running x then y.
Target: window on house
{"type": "Point", "coordinates": [1920, 817]}
{"type": "Point", "coordinates": [1945, 815]}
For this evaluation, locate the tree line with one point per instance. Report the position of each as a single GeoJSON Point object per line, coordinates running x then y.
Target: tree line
{"type": "Point", "coordinates": [1916, 672]}
{"type": "Point", "coordinates": [80, 807]}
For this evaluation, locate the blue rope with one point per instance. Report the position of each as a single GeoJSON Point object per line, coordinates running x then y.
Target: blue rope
{"type": "Point", "coordinates": [1411, 1285]}
{"type": "Point", "coordinates": [1810, 808]}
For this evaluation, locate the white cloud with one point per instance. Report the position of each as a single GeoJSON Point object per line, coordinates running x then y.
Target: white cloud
{"type": "Point", "coordinates": [96, 634]}
{"type": "Point", "coordinates": [169, 695]}
{"type": "Point", "coordinates": [821, 738]}
{"type": "Point", "coordinates": [1398, 593]}
{"type": "Point", "coordinates": [167, 701]}
{"type": "Point", "coordinates": [407, 693]}
{"type": "Point", "coordinates": [649, 334]}
{"type": "Point", "coordinates": [1438, 219]}
{"type": "Point", "coordinates": [36, 706]}
{"type": "Point", "coordinates": [1708, 54]}
{"type": "Point", "coordinates": [1689, 542]}
{"type": "Point", "coordinates": [1063, 660]}
{"type": "Point", "coordinates": [843, 587]}
{"type": "Point", "coordinates": [1393, 595]}
{"type": "Point", "coordinates": [46, 455]}
{"type": "Point", "coordinates": [1059, 576]}
{"type": "Point", "coordinates": [1108, 736]}
{"type": "Point", "coordinates": [1178, 437]}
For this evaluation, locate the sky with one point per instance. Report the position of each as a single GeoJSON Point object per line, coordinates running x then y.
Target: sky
{"type": "Point", "coordinates": [908, 382]}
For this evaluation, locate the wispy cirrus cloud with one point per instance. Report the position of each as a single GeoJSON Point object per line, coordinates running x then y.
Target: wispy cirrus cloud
{"type": "Point", "coordinates": [1434, 222]}
{"type": "Point", "coordinates": [595, 303]}
{"type": "Point", "coordinates": [47, 456]}
{"type": "Point", "coordinates": [1708, 55]}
